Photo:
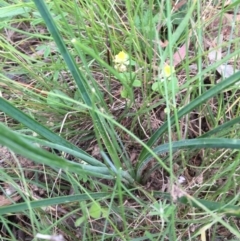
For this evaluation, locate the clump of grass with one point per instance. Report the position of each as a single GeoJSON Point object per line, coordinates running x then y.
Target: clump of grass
{"type": "Point", "coordinates": [133, 137]}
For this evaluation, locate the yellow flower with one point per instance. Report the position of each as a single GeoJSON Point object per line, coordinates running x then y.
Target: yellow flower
{"type": "Point", "coordinates": [121, 58]}
{"type": "Point", "coordinates": [168, 70]}
{"type": "Point", "coordinates": [121, 61]}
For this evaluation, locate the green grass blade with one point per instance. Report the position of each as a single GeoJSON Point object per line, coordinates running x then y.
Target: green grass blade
{"type": "Point", "coordinates": [21, 207]}
{"type": "Point", "coordinates": [11, 10]}
{"type": "Point", "coordinates": [185, 110]}
{"type": "Point", "coordinates": [41, 130]}
{"type": "Point", "coordinates": [183, 25]}
{"type": "Point", "coordinates": [219, 128]}
{"type": "Point", "coordinates": [71, 64]}
{"type": "Point", "coordinates": [190, 144]}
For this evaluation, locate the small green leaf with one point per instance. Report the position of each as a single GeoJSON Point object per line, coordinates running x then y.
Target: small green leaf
{"type": "Point", "coordinates": [79, 221]}
{"type": "Point", "coordinates": [157, 86]}
{"type": "Point", "coordinates": [95, 210]}
{"type": "Point", "coordinates": [137, 83]}
{"type": "Point", "coordinates": [124, 93]}
{"type": "Point", "coordinates": [105, 212]}
{"type": "Point", "coordinates": [124, 77]}
{"type": "Point", "coordinates": [171, 81]}
{"type": "Point", "coordinates": [172, 85]}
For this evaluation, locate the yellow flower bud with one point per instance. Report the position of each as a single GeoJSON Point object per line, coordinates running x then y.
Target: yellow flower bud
{"type": "Point", "coordinates": [168, 70]}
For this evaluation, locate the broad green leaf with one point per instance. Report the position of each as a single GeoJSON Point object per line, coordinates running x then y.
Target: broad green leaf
{"type": "Point", "coordinates": [95, 210]}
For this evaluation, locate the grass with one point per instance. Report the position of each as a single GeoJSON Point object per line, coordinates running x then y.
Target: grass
{"type": "Point", "coordinates": [93, 153]}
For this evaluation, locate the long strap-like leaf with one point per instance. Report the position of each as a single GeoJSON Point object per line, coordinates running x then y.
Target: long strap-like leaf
{"type": "Point", "coordinates": [222, 127]}
{"type": "Point", "coordinates": [21, 207]}
{"type": "Point", "coordinates": [18, 115]}
{"type": "Point", "coordinates": [189, 144]}
{"type": "Point", "coordinates": [73, 68]}
{"type": "Point", "coordinates": [19, 145]}
{"type": "Point", "coordinates": [102, 127]}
